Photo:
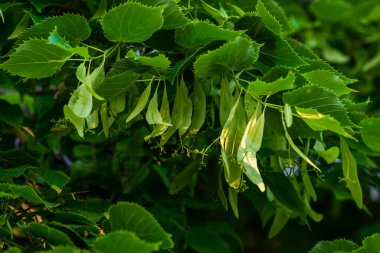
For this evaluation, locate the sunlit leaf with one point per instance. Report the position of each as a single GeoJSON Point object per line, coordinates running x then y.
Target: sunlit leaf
{"type": "Point", "coordinates": [129, 23]}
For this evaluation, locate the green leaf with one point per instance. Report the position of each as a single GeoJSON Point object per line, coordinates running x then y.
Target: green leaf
{"type": "Point", "coordinates": [273, 16]}
{"type": "Point", "coordinates": [285, 193]}
{"type": "Point", "coordinates": [141, 103]}
{"type": "Point", "coordinates": [370, 244]}
{"type": "Point", "coordinates": [134, 218]}
{"type": "Point", "coordinates": [77, 122]}
{"type": "Point", "coordinates": [329, 155]}
{"type": "Point", "coordinates": [329, 80]}
{"type": "Point", "coordinates": [280, 220]}
{"type": "Point", "coordinates": [173, 17]}
{"type": "Point", "coordinates": [180, 66]}
{"type": "Point", "coordinates": [124, 241]}
{"type": "Point", "coordinates": [160, 61]}
{"type": "Point", "coordinates": [232, 56]}
{"type": "Point", "coordinates": [275, 50]}
{"type": "Point", "coordinates": [80, 102]}
{"type": "Point", "coordinates": [13, 172]}
{"type": "Point", "coordinates": [72, 27]}
{"type": "Point", "coordinates": [199, 33]}
{"type": "Point", "coordinates": [129, 23]}
{"type": "Point", "coordinates": [259, 87]}
{"type": "Point", "coordinates": [90, 208]}
{"type": "Point", "coordinates": [52, 235]}
{"type": "Point", "coordinates": [25, 192]}
{"type": "Point", "coordinates": [36, 59]}
{"type": "Point", "coordinates": [333, 246]}
{"type": "Point", "coordinates": [116, 85]}
{"type": "Point", "coordinates": [204, 240]}
{"type": "Point", "coordinates": [370, 133]}
{"type": "Point", "coordinates": [117, 104]}
{"type": "Point", "coordinates": [198, 98]}
{"type": "Point", "coordinates": [320, 122]}
{"type": "Point", "coordinates": [320, 99]}
{"type": "Point", "coordinates": [56, 179]}
{"type": "Point", "coordinates": [21, 26]}
{"type": "Point", "coordinates": [11, 114]}
{"type": "Point", "coordinates": [350, 173]}
{"type": "Point", "coordinates": [270, 21]}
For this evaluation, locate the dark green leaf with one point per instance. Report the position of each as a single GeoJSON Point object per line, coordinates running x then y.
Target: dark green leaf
{"type": "Point", "coordinates": [370, 133]}
{"type": "Point", "coordinates": [122, 242]}
{"type": "Point", "coordinates": [199, 33]}
{"type": "Point", "coordinates": [134, 218]}
{"type": "Point", "coordinates": [52, 235]}
{"type": "Point", "coordinates": [333, 246]}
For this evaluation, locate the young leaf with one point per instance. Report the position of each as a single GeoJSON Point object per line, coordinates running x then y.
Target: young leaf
{"type": "Point", "coordinates": [280, 219]}
{"type": "Point", "coordinates": [80, 102]}
{"type": "Point", "coordinates": [71, 26]}
{"type": "Point", "coordinates": [232, 56]}
{"type": "Point", "coordinates": [160, 61]}
{"type": "Point", "coordinates": [199, 107]}
{"type": "Point", "coordinates": [216, 14]}
{"type": "Point", "coordinates": [350, 173]}
{"type": "Point", "coordinates": [259, 88]}
{"type": "Point", "coordinates": [124, 241]}
{"type": "Point", "coordinates": [134, 218]}
{"type": "Point", "coordinates": [329, 155]}
{"type": "Point", "coordinates": [36, 58]}
{"type": "Point", "coordinates": [199, 33]}
{"type": "Point", "coordinates": [77, 122]}
{"type": "Point", "coordinates": [141, 103]}
{"type": "Point", "coordinates": [129, 23]}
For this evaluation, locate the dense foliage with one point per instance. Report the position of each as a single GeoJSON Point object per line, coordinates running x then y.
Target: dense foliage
{"type": "Point", "coordinates": [207, 115]}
